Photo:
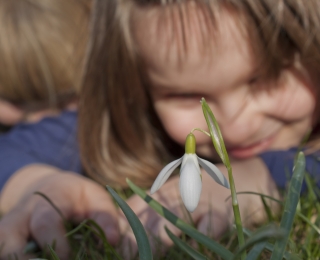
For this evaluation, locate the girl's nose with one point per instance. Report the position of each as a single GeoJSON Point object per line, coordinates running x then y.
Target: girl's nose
{"type": "Point", "coordinates": [231, 104]}
{"type": "Point", "coordinates": [239, 131]}
{"type": "Point", "coordinates": [238, 119]}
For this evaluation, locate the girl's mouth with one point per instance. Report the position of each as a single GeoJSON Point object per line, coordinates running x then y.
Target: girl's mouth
{"type": "Point", "coordinates": [251, 150]}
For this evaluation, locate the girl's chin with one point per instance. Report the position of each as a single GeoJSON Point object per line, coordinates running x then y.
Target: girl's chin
{"type": "Point", "coordinates": [252, 150]}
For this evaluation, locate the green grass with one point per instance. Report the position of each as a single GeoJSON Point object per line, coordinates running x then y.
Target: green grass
{"type": "Point", "coordinates": [88, 242]}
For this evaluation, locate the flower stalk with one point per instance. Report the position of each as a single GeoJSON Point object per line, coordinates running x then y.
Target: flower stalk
{"type": "Point", "coordinates": [218, 143]}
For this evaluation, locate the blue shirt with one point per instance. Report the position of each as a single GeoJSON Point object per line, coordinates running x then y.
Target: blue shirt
{"type": "Point", "coordinates": [280, 165]}
{"type": "Point", "coordinates": [51, 141]}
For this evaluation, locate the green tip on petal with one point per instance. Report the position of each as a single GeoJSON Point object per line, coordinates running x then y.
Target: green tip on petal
{"type": "Point", "coordinates": [190, 146]}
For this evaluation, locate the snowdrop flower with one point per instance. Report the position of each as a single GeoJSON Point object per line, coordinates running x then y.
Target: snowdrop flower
{"type": "Point", "coordinates": [190, 183]}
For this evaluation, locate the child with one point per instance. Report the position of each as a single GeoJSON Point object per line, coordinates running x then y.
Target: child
{"type": "Point", "coordinates": [41, 56]}
{"type": "Point", "coordinates": [148, 66]}
{"type": "Point", "coordinates": [255, 62]}
{"type": "Point", "coordinates": [42, 48]}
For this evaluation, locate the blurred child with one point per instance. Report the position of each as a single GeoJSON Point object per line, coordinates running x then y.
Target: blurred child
{"type": "Point", "coordinates": [41, 52]}
{"type": "Point", "coordinates": [255, 62]}
{"type": "Point", "coordinates": [42, 48]}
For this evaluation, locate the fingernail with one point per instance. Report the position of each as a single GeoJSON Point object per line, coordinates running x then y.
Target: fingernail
{"type": "Point", "coordinates": [112, 235]}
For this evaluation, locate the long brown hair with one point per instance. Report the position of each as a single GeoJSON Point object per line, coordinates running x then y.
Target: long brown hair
{"type": "Point", "coordinates": [120, 135]}
{"type": "Point", "coordinates": [42, 47]}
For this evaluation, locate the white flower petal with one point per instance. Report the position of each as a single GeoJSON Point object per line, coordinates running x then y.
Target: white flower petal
{"type": "Point", "coordinates": [164, 175]}
{"type": "Point", "coordinates": [190, 184]}
{"type": "Point", "coordinates": [214, 172]}
{"type": "Point", "coordinates": [193, 157]}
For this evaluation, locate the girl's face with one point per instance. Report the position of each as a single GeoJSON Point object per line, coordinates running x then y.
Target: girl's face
{"type": "Point", "coordinates": [251, 121]}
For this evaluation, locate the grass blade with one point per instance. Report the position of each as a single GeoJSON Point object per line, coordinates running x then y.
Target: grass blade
{"type": "Point", "coordinates": [256, 250]}
{"type": "Point", "coordinates": [267, 209]}
{"type": "Point", "coordinates": [185, 247]}
{"type": "Point", "coordinates": [179, 223]}
{"type": "Point", "coordinates": [304, 218]}
{"type": "Point", "coordinates": [53, 253]}
{"type": "Point", "coordinates": [140, 234]}
{"type": "Point", "coordinates": [258, 194]}
{"type": "Point", "coordinates": [52, 204]}
{"type": "Point", "coordinates": [269, 247]}
{"type": "Point", "coordinates": [95, 228]}
{"type": "Point", "coordinates": [290, 206]}
{"type": "Point", "coordinates": [261, 235]}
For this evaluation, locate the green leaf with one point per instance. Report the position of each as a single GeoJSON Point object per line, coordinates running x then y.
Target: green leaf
{"type": "Point", "coordinates": [256, 251]}
{"type": "Point", "coordinates": [304, 218]}
{"type": "Point", "coordinates": [258, 194]}
{"type": "Point", "coordinates": [140, 234]}
{"type": "Point", "coordinates": [52, 205]}
{"type": "Point", "coordinates": [179, 223]}
{"type": "Point", "coordinates": [93, 227]}
{"type": "Point", "coordinates": [267, 209]}
{"type": "Point", "coordinates": [269, 247]}
{"type": "Point", "coordinates": [53, 253]}
{"type": "Point", "coordinates": [261, 235]}
{"type": "Point", "coordinates": [290, 206]}
{"type": "Point", "coordinates": [185, 247]}
{"type": "Point", "coordinates": [215, 132]}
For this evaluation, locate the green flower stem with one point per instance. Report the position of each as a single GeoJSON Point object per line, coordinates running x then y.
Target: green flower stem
{"type": "Point", "coordinates": [218, 144]}
{"type": "Point", "coordinates": [200, 130]}
{"type": "Point", "coordinates": [236, 211]}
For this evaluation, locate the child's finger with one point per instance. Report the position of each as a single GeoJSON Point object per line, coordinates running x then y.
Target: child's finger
{"type": "Point", "coordinates": [46, 227]}
{"type": "Point", "coordinates": [103, 211]}
{"type": "Point", "coordinates": [13, 235]}
{"type": "Point", "coordinates": [109, 224]}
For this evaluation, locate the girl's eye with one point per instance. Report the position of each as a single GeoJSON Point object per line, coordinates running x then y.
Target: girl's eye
{"type": "Point", "coordinates": [254, 80]}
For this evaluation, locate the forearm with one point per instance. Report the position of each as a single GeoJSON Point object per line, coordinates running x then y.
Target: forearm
{"type": "Point", "coordinates": [24, 182]}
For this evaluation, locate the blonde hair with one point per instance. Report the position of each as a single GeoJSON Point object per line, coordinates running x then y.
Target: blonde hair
{"type": "Point", "coordinates": [120, 134]}
{"type": "Point", "coordinates": [42, 48]}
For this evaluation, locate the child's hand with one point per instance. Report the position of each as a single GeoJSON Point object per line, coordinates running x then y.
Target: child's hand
{"type": "Point", "coordinates": [33, 217]}
{"type": "Point", "coordinates": [214, 214]}
{"type": "Point", "coordinates": [153, 223]}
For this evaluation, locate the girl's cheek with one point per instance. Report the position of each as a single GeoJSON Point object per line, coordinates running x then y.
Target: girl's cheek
{"type": "Point", "coordinates": [291, 100]}
{"type": "Point", "coordinates": [294, 101]}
